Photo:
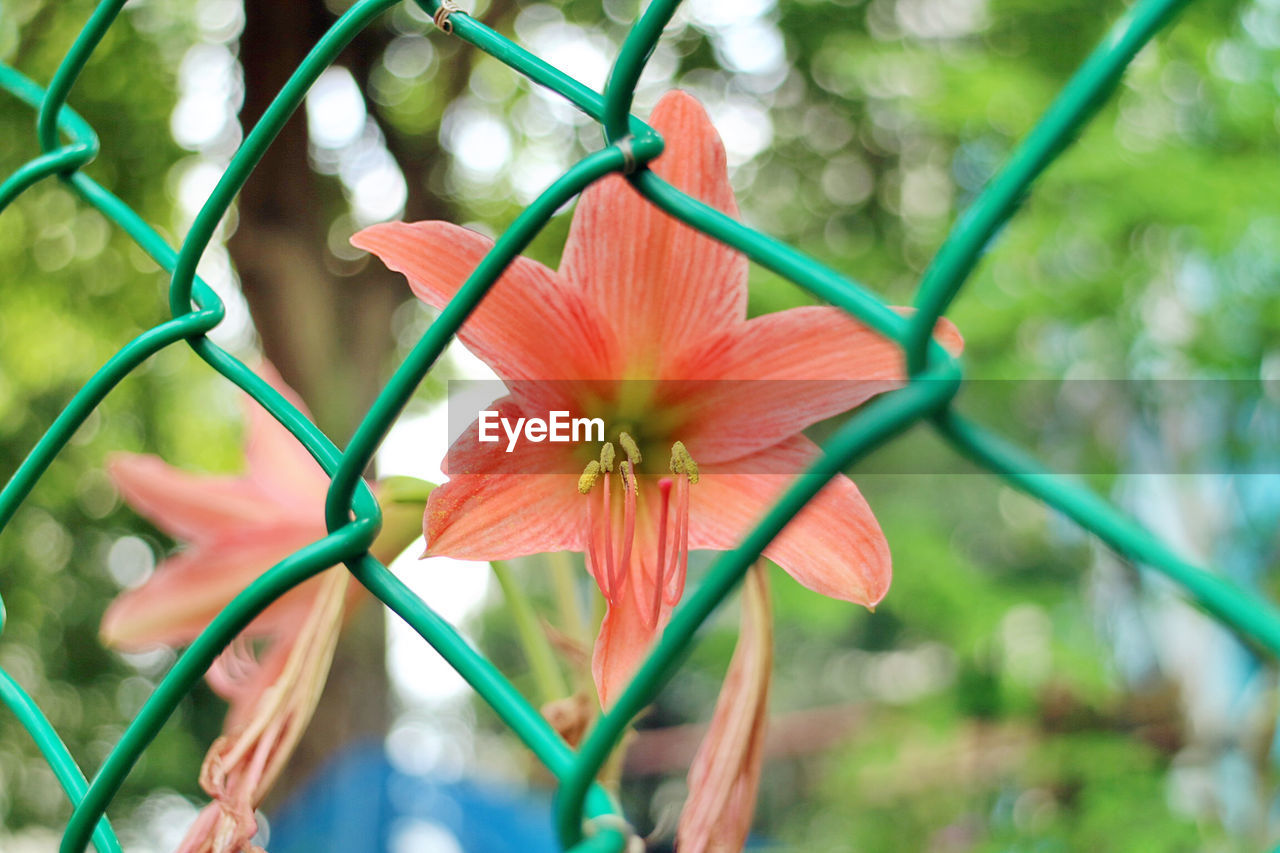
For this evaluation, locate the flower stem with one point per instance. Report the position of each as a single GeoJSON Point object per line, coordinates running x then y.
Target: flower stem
{"type": "Point", "coordinates": [537, 646]}
{"type": "Point", "coordinates": [572, 618]}
{"type": "Point", "coordinates": [611, 773]}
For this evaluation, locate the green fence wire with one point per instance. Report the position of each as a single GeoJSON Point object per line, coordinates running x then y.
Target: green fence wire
{"type": "Point", "coordinates": [587, 818]}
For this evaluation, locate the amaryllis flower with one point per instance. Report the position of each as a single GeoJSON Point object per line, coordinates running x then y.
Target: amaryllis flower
{"type": "Point", "coordinates": [234, 528]}
{"type": "Point", "coordinates": [645, 326]}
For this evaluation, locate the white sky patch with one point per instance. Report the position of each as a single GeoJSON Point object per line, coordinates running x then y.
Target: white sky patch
{"type": "Point", "coordinates": [220, 20]}
{"type": "Point", "coordinates": [742, 35]}
{"type": "Point", "coordinates": [378, 190]}
{"type": "Point", "coordinates": [745, 128]}
{"type": "Point", "coordinates": [235, 332]}
{"type": "Point", "coordinates": [727, 13]}
{"type": "Point", "coordinates": [207, 81]}
{"type": "Point", "coordinates": [455, 589]}
{"type": "Point", "coordinates": [416, 446]}
{"type": "Point", "coordinates": [751, 48]}
{"type": "Point", "coordinates": [409, 56]}
{"type": "Point", "coordinates": [941, 19]}
{"type": "Point", "coordinates": [578, 52]}
{"type": "Point", "coordinates": [346, 141]}
{"type": "Point", "coordinates": [192, 180]}
{"type": "Point", "coordinates": [196, 179]}
{"type": "Point", "coordinates": [335, 109]}
{"type": "Point", "coordinates": [540, 165]}
{"type": "Point", "coordinates": [479, 142]}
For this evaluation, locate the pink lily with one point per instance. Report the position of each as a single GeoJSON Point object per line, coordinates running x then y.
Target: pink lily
{"type": "Point", "coordinates": [234, 529]}
{"type": "Point", "coordinates": [641, 296]}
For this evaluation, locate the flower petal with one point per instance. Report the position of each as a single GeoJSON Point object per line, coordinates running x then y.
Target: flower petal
{"type": "Point", "coordinates": [658, 281]}
{"type": "Point", "coordinates": [530, 325]}
{"type": "Point", "coordinates": [725, 774]}
{"type": "Point", "coordinates": [833, 546]}
{"type": "Point", "coordinates": [278, 463]}
{"type": "Point", "coordinates": [189, 589]}
{"type": "Point", "coordinates": [189, 507]}
{"type": "Point", "coordinates": [498, 505]}
{"type": "Point", "coordinates": [623, 642]}
{"type": "Point", "coordinates": [770, 377]}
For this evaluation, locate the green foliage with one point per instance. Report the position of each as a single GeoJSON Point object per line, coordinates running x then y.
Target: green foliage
{"type": "Point", "coordinates": [75, 291]}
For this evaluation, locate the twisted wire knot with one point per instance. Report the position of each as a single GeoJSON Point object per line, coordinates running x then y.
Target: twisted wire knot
{"type": "Point", "coordinates": [441, 17]}
{"type": "Point", "coordinates": [600, 823]}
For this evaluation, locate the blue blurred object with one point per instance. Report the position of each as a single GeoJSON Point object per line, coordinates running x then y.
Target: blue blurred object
{"type": "Point", "coordinates": [360, 803]}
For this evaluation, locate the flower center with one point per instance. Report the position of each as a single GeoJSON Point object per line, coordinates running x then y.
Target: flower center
{"type": "Point", "coordinates": [610, 562]}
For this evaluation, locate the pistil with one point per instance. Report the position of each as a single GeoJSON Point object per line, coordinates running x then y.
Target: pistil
{"type": "Point", "coordinates": [607, 570]}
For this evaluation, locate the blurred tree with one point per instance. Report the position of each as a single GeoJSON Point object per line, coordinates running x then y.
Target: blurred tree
{"type": "Point", "coordinates": [323, 315]}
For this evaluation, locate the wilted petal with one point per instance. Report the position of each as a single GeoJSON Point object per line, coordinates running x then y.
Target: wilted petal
{"type": "Point", "coordinates": [768, 378]}
{"type": "Point", "coordinates": [243, 764]}
{"type": "Point", "coordinates": [570, 716]}
{"type": "Point", "coordinates": [725, 774]}
{"type": "Point", "coordinates": [242, 676]}
{"type": "Point", "coordinates": [833, 546]}
{"type": "Point", "coordinates": [659, 282]}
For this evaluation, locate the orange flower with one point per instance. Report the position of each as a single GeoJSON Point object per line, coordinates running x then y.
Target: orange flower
{"type": "Point", "coordinates": [640, 296]}
{"type": "Point", "coordinates": [234, 529]}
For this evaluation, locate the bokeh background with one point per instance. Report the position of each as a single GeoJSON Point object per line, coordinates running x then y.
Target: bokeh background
{"type": "Point", "coordinates": [1020, 688]}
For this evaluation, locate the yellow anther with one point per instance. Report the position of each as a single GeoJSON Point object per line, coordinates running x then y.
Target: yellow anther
{"type": "Point", "coordinates": [627, 469]}
{"type": "Point", "coordinates": [630, 447]}
{"type": "Point", "coordinates": [607, 455]}
{"type": "Point", "coordinates": [588, 478]}
{"type": "Point", "coordinates": [682, 462]}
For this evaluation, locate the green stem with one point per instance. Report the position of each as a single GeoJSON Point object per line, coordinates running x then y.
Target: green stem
{"type": "Point", "coordinates": [572, 618]}
{"type": "Point", "coordinates": [537, 647]}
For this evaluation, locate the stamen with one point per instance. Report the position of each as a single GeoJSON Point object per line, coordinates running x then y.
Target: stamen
{"type": "Point", "coordinates": [680, 563]}
{"type": "Point", "coordinates": [627, 471]}
{"type": "Point", "coordinates": [593, 543]}
{"type": "Point", "coordinates": [659, 581]}
{"type": "Point", "coordinates": [630, 491]}
{"type": "Point", "coordinates": [589, 477]}
{"type": "Point", "coordinates": [611, 593]}
{"type": "Point", "coordinates": [630, 447]}
{"type": "Point", "coordinates": [682, 462]}
{"type": "Point", "coordinates": [598, 540]}
{"type": "Point", "coordinates": [611, 568]}
{"type": "Point", "coordinates": [686, 471]}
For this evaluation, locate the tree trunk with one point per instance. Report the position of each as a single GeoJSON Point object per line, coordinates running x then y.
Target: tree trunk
{"type": "Point", "coordinates": [324, 324]}
{"type": "Point", "coordinates": [329, 335]}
